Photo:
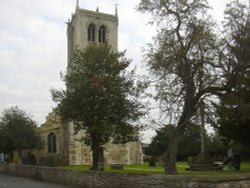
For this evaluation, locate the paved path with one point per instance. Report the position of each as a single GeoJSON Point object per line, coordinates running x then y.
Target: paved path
{"type": "Point", "coordinates": [17, 182]}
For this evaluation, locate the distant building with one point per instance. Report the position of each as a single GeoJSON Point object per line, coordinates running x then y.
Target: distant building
{"type": "Point", "coordinates": [62, 146]}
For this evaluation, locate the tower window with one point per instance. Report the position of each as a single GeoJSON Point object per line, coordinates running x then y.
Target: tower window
{"type": "Point", "coordinates": [91, 32]}
{"type": "Point", "coordinates": [102, 34]}
{"type": "Point", "coordinates": [52, 143]}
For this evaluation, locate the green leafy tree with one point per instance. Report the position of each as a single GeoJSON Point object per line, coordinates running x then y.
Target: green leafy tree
{"type": "Point", "coordinates": [187, 61]}
{"type": "Point", "coordinates": [189, 144]}
{"type": "Point", "coordinates": [234, 108]}
{"type": "Point", "coordinates": [100, 98]}
{"type": "Point", "coordinates": [216, 146]}
{"type": "Point", "coordinates": [18, 132]}
{"type": "Point", "coordinates": [160, 141]}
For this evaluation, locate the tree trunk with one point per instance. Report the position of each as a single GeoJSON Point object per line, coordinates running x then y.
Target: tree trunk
{"type": "Point", "coordinates": [170, 156]}
{"type": "Point", "coordinates": [171, 153]}
{"type": "Point", "coordinates": [95, 151]}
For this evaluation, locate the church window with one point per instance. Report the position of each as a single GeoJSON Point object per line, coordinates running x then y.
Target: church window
{"type": "Point", "coordinates": [102, 34]}
{"type": "Point", "coordinates": [91, 32]}
{"type": "Point", "coordinates": [52, 143]}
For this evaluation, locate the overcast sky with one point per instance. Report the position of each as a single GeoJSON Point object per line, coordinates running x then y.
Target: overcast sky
{"type": "Point", "coordinates": [33, 46]}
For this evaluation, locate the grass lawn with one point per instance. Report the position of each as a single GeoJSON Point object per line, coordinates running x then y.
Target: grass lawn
{"type": "Point", "coordinates": [181, 166]}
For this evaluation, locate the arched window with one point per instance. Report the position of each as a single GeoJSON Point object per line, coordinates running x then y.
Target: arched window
{"type": "Point", "coordinates": [52, 143]}
{"type": "Point", "coordinates": [91, 32]}
{"type": "Point", "coordinates": [102, 34]}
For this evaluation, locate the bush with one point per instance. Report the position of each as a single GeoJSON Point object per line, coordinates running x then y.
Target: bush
{"type": "Point", "coordinates": [51, 161]}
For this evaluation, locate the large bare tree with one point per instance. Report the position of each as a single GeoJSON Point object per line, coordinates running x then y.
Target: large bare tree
{"type": "Point", "coordinates": [186, 60]}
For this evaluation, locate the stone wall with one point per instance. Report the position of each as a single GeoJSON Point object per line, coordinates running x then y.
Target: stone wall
{"type": "Point", "coordinates": [92, 179]}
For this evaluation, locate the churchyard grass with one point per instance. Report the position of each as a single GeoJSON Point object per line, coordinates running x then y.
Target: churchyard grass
{"type": "Point", "coordinates": [245, 165]}
{"type": "Point", "coordinates": [181, 166]}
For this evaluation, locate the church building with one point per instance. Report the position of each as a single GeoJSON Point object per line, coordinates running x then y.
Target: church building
{"type": "Point", "coordinates": [62, 145]}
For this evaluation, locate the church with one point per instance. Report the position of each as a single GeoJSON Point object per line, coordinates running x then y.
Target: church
{"type": "Point", "coordinates": [62, 145]}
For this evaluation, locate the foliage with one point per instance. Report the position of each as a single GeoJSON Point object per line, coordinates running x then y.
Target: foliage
{"type": "Point", "coordinates": [234, 108]}
{"type": "Point", "coordinates": [216, 147]}
{"type": "Point", "coordinates": [51, 161]}
{"type": "Point", "coordinates": [100, 97]}
{"type": "Point", "coordinates": [190, 143]}
{"type": "Point", "coordinates": [18, 131]}
{"type": "Point", "coordinates": [160, 141]}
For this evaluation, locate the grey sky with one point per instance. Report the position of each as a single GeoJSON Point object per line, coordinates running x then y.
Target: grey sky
{"type": "Point", "coordinates": [33, 46]}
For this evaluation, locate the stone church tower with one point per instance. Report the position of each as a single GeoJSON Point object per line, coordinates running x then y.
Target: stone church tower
{"type": "Point", "coordinates": [86, 27]}
{"type": "Point", "coordinates": [62, 145]}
